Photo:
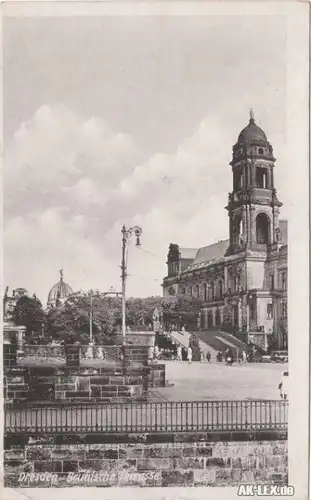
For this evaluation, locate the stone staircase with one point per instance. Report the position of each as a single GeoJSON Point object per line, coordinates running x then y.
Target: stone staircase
{"type": "Point", "coordinates": [182, 338]}
{"type": "Point", "coordinates": [220, 341]}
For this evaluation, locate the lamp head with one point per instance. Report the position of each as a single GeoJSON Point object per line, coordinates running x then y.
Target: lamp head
{"type": "Point", "coordinates": [138, 232]}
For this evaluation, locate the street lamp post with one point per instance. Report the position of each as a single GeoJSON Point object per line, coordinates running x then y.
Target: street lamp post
{"type": "Point", "coordinates": [126, 234]}
{"type": "Point", "coordinates": [91, 316]}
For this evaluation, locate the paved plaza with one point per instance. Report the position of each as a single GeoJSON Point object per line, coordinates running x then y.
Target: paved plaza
{"type": "Point", "coordinates": [203, 381]}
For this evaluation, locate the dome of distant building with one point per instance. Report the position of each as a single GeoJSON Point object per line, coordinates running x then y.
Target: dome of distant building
{"type": "Point", "coordinates": [252, 133]}
{"type": "Point", "coordinates": [59, 292]}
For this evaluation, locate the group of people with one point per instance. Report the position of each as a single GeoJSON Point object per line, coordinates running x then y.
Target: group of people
{"type": "Point", "coordinates": [229, 357]}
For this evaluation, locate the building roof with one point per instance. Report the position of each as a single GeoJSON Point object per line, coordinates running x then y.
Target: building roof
{"type": "Point", "coordinates": [208, 255]}
{"type": "Point", "coordinates": [213, 252]}
{"type": "Point", "coordinates": [188, 253]}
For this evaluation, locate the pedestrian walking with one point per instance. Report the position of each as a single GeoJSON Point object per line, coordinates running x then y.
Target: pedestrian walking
{"type": "Point", "coordinates": [201, 355]}
{"type": "Point", "coordinates": [244, 357]}
{"type": "Point", "coordinates": [208, 356]}
{"type": "Point", "coordinates": [179, 353]}
{"type": "Point", "coordinates": [189, 355]}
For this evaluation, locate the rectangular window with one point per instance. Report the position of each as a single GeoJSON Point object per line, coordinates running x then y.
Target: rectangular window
{"type": "Point", "coordinates": [261, 177]}
{"type": "Point", "coordinates": [271, 281]}
{"type": "Point", "coordinates": [269, 311]}
{"type": "Point", "coordinates": [283, 281]}
{"type": "Point", "coordinates": [252, 311]}
{"type": "Point", "coordinates": [284, 310]}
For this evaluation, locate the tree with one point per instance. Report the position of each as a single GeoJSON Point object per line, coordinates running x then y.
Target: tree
{"type": "Point", "coordinates": [72, 319]}
{"type": "Point", "coordinates": [140, 311]}
{"type": "Point", "coordinates": [28, 312]}
{"type": "Point", "coordinates": [181, 310]}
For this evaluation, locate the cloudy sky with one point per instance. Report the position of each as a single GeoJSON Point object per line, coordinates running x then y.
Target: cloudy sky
{"type": "Point", "coordinates": [129, 120]}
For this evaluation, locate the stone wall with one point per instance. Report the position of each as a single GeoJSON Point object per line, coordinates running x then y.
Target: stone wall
{"type": "Point", "coordinates": [120, 376]}
{"type": "Point", "coordinates": [9, 355]}
{"type": "Point", "coordinates": [156, 377]}
{"type": "Point", "coordinates": [182, 459]}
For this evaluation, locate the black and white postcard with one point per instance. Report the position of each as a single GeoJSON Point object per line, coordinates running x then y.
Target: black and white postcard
{"type": "Point", "coordinates": [155, 249]}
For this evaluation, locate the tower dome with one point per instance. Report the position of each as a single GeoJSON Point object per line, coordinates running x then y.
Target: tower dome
{"type": "Point", "coordinates": [59, 292]}
{"type": "Point", "coordinates": [252, 133]}
{"type": "Point", "coordinates": [252, 142]}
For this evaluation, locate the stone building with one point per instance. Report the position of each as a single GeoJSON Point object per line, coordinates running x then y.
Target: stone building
{"type": "Point", "coordinates": [11, 332]}
{"type": "Point", "coordinates": [59, 292]}
{"type": "Point", "coordinates": [242, 281]}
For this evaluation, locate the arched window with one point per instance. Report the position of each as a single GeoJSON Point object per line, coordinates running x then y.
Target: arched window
{"type": "Point", "coordinates": [212, 291]}
{"type": "Point", "coordinates": [237, 180]}
{"type": "Point", "coordinates": [236, 229]}
{"type": "Point", "coordinates": [205, 289]}
{"type": "Point", "coordinates": [262, 229]}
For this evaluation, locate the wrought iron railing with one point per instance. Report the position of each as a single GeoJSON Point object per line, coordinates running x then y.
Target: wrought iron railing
{"type": "Point", "coordinates": [170, 416]}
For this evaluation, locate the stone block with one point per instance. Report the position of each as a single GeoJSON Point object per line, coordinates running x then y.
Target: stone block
{"type": "Point", "coordinates": [247, 476]}
{"type": "Point", "coordinates": [240, 462]}
{"type": "Point", "coordinates": [224, 477]}
{"type": "Point", "coordinates": [131, 451]}
{"type": "Point", "coordinates": [48, 466]}
{"type": "Point", "coordinates": [177, 478]}
{"type": "Point", "coordinates": [38, 453]}
{"type": "Point", "coordinates": [14, 454]}
{"type": "Point", "coordinates": [204, 451]}
{"type": "Point", "coordinates": [189, 463]}
{"type": "Point", "coordinates": [64, 387]}
{"type": "Point", "coordinates": [156, 451]}
{"type": "Point", "coordinates": [104, 453]}
{"type": "Point", "coordinates": [15, 379]}
{"type": "Point", "coordinates": [275, 461]}
{"type": "Point", "coordinates": [117, 380]}
{"type": "Point", "coordinates": [98, 465]}
{"type": "Point", "coordinates": [14, 441]}
{"type": "Point", "coordinates": [279, 449]}
{"type": "Point", "coordinates": [129, 464]}
{"type": "Point", "coordinates": [17, 466]}
{"type": "Point", "coordinates": [277, 478]}
{"type": "Point", "coordinates": [154, 464]}
{"type": "Point", "coordinates": [70, 465]}
{"type": "Point", "coordinates": [218, 462]}
{"type": "Point", "coordinates": [65, 454]}
{"type": "Point", "coordinates": [204, 477]}
{"type": "Point", "coordinates": [263, 449]}
{"type": "Point", "coordinates": [11, 481]}
{"type": "Point", "coordinates": [99, 380]}
{"type": "Point", "coordinates": [188, 451]}
{"type": "Point", "coordinates": [60, 394]}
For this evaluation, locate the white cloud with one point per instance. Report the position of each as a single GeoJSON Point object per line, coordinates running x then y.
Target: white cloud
{"type": "Point", "coordinates": [71, 184]}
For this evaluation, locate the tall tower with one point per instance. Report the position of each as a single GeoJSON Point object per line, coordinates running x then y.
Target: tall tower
{"type": "Point", "coordinates": [253, 206]}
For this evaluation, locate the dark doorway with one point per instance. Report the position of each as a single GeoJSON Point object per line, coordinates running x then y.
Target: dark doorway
{"type": "Point", "coordinates": [210, 320]}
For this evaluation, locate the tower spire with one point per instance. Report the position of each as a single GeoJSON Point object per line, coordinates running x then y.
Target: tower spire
{"type": "Point", "coordinates": [251, 115]}
{"type": "Point", "coordinates": [61, 272]}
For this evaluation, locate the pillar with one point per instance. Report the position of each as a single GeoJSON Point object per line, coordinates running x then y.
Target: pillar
{"type": "Point", "coordinates": [240, 313]}
{"type": "Point", "coordinates": [244, 224]}
{"type": "Point", "coordinates": [252, 228]}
